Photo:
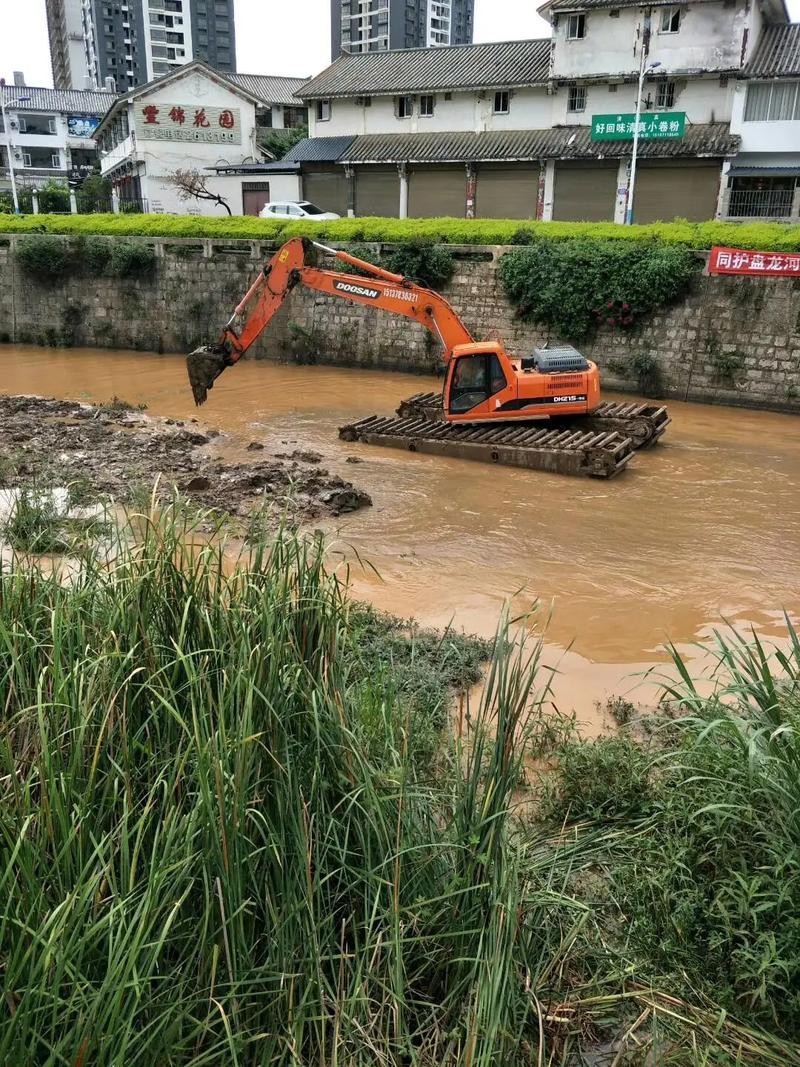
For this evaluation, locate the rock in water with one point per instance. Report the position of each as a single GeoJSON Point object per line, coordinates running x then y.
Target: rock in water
{"type": "Point", "coordinates": [205, 365]}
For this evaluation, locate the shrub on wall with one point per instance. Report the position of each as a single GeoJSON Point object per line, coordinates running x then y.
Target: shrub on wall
{"type": "Point", "coordinates": [573, 286]}
{"type": "Point", "coordinates": [48, 258]}
{"type": "Point", "coordinates": [421, 261]}
{"type": "Point", "coordinates": [43, 257]}
{"type": "Point", "coordinates": [132, 259]}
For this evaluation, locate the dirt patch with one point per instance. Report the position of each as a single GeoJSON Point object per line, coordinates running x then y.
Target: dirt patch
{"type": "Point", "coordinates": [114, 451]}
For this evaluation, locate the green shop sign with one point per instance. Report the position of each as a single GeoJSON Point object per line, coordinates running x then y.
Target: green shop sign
{"type": "Point", "coordinates": [663, 125]}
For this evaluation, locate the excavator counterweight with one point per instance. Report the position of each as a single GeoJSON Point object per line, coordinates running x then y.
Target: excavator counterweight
{"type": "Point", "coordinates": [527, 410]}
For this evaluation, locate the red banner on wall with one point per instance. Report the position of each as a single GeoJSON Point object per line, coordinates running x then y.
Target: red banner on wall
{"type": "Point", "coordinates": [740, 261]}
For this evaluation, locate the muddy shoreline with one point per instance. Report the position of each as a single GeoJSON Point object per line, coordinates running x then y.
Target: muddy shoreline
{"type": "Point", "coordinates": [116, 450]}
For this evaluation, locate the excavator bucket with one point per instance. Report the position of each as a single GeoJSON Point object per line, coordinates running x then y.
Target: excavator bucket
{"type": "Point", "coordinates": [205, 365]}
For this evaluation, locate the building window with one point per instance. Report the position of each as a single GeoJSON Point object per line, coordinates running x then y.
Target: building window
{"type": "Point", "coordinates": [670, 20]}
{"type": "Point", "coordinates": [501, 102]}
{"type": "Point", "coordinates": [405, 107]}
{"type": "Point", "coordinates": [665, 96]}
{"type": "Point", "coordinates": [772, 102]}
{"type": "Point", "coordinates": [577, 98]}
{"type": "Point", "coordinates": [426, 102]}
{"type": "Point", "coordinates": [576, 27]}
{"type": "Point", "coordinates": [323, 110]}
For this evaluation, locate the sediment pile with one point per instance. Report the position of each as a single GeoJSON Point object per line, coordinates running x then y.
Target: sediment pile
{"type": "Point", "coordinates": [117, 449]}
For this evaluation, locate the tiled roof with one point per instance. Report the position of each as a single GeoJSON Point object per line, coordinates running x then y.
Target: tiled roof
{"type": "Point", "coordinates": [777, 53]}
{"type": "Point", "coordinates": [564, 142]}
{"type": "Point", "coordinates": [405, 70]}
{"type": "Point", "coordinates": [75, 101]}
{"type": "Point", "coordinates": [557, 6]}
{"type": "Point", "coordinates": [318, 150]}
{"type": "Point", "coordinates": [271, 90]}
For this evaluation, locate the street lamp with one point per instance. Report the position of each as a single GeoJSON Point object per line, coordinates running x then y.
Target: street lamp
{"type": "Point", "coordinates": [643, 72]}
{"type": "Point", "coordinates": [12, 176]}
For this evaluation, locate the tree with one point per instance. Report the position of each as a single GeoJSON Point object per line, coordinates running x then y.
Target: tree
{"type": "Point", "coordinates": [278, 142]}
{"type": "Point", "coordinates": [192, 185]}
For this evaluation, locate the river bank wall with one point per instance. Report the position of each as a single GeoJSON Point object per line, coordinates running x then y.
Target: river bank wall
{"type": "Point", "coordinates": [734, 340]}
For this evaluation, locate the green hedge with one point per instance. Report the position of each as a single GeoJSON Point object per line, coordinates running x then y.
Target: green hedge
{"type": "Point", "coordinates": [700, 235]}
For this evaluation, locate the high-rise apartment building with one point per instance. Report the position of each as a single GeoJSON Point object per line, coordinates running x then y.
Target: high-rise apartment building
{"type": "Point", "coordinates": [379, 25]}
{"type": "Point", "coordinates": [135, 41]}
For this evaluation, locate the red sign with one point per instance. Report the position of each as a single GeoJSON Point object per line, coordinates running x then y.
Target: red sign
{"type": "Point", "coordinates": [740, 261]}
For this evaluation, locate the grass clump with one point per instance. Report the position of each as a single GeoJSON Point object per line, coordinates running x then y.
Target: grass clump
{"type": "Point", "coordinates": [766, 236]}
{"type": "Point", "coordinates": [205, 861]}
{"type": "Point", "coordinates": [34, 523]}
{"type": "Point", "coordinates": [704, 873]}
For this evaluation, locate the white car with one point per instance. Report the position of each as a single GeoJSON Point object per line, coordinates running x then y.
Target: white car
{"type": "Point", "coordinates": [296, 209]}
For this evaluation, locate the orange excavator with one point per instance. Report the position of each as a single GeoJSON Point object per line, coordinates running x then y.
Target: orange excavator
{"type": "Point", "coordinates": [482, 382]}
{"type": "Point", "coordinates": [545, 409]}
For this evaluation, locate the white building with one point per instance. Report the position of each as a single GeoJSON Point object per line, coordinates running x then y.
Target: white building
{"type": "Point", "coordinates": [506, 129]}
{"type": "Point", "coordinates": [196, 119]}
{"type": "Point", "coordinates": [764, 178]}
{"type": "Point", "coordinates": [51, 132]}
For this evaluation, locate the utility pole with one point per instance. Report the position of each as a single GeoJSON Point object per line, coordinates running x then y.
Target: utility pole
{"type": "Point", "coordinates": [644, 70]}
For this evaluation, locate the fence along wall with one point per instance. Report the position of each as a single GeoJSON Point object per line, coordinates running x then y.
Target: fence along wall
{"type": "Point", "coordinates": [735, 340]}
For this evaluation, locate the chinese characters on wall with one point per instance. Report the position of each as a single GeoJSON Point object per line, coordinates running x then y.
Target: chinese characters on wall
{"type": "Point", "coordinates": [188, 122]}
{"type": "Point", "coordinates": [740, 261]}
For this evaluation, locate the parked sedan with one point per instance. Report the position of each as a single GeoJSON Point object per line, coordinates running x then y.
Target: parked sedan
{"type": "Point", "coordinates": [296, 209]}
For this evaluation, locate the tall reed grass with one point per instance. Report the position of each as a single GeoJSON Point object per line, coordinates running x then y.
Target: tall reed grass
{"type": "Point", "coordinates": [219, 843]}
{"type": "Point", "coordinates": [206, 860]}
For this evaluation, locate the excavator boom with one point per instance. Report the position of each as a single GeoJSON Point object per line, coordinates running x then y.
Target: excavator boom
{"type": "Point", "coordinates": [375, 287]}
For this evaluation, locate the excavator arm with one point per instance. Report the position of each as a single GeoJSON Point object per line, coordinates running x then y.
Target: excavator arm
{"type": "Point", "coordinates": [374, 287]}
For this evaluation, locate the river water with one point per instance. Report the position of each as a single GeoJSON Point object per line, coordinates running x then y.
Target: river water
{"type": "Point", "coordinates": [704, 527]}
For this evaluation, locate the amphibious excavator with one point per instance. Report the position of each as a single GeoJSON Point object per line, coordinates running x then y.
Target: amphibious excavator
{"type": "Point", "coordinates": [542, 412]}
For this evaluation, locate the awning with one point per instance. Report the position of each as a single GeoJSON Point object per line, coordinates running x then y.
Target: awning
{"type": "Point", "coordinates": [755, 172]}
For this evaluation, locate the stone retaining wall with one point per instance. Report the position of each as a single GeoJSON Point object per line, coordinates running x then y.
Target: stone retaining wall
{"type": "Point", "coordinates": [734, 340]}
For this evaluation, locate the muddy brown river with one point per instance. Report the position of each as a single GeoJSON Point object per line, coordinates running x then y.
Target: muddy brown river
{"type": "Point", "coordinates": [705, 527]}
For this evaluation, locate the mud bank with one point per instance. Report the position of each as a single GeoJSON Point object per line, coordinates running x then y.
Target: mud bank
{"type": "Point", "coordinates": [117, 450]}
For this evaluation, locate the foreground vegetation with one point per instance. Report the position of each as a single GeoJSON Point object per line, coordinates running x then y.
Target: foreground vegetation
{"type": "Point", "coordinates": [698, 235]}
{"type": "Point", "coordinates": [226, 836]}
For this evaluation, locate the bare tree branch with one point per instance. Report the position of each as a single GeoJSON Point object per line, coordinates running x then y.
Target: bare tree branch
{"type": "Point", "coordinates": [192, 185]}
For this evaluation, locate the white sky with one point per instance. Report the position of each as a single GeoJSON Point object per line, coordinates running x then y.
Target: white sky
{"type": "Point", "coordinates": [272, 36]}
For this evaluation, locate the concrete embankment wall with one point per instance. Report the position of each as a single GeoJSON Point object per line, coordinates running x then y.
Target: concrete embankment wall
{"type": "Point", "coordinates": [734, 340]}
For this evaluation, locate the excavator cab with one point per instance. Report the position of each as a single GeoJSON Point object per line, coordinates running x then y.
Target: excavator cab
{"type": "Point", "coordinates": [483, 384]}
{"type": "Point", "coordinates": [479, 377]}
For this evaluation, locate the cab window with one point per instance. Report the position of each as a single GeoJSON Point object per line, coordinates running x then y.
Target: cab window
{"type": "Point", "coordinates": [475, 379]}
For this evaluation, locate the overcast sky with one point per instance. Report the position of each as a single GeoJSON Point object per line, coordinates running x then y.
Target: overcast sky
{"type": "Point", "coordinates": [272, 37]}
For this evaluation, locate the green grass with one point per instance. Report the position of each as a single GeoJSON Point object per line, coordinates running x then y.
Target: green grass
{"type": "Point", "coordinates": [205, 860]}
{"type": "Point", "coordinates": [701, 884]}
{"type": "Point", "coordinates": [699, 235]}
{"type": "Point", "coordinates": [220, 842]}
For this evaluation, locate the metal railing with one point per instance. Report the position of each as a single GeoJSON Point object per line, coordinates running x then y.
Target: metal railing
{"type": "Point", "coordinates": [760, 203]}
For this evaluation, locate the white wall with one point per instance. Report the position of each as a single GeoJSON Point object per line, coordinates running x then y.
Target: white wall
{"type": "Point", "coordinates": [703, 99]}
{"type": "Point", "coordinates": [283, 186]}
{"type": "Point", "coordinates": [528, 109]}
{"type": "Point", "coordinates": [765, 137]}
{"type": "Point", "coordinates": [710, 37]}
